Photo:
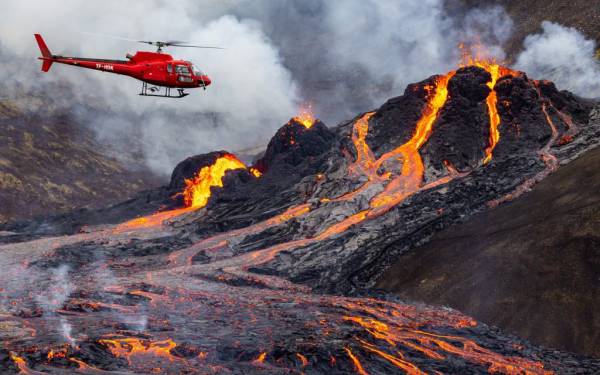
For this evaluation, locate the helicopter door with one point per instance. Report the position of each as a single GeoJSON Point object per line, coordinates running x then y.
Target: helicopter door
{"type": "Point", "coordinates": [183, 73]}
{"type": "Point", "coordinates": [171, 73]}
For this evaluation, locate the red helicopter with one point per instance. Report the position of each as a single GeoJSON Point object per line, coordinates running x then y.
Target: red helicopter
{"type": "Point", "coordinates": [157, 69]}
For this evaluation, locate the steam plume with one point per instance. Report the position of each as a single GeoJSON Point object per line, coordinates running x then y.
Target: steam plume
{"type": "Point", "coordinates": [563, 55]}
{"type": "Point", "coordinates": [343, 59]}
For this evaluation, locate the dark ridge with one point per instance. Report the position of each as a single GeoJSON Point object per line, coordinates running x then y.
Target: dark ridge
{"type": "Point", "coordinates": [531, 267]}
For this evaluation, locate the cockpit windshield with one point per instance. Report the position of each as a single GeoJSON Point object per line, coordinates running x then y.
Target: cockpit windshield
{"type": "Point", "coordinates": [197, 72]}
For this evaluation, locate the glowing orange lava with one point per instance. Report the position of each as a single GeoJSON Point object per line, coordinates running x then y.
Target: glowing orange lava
{"type": "Point", "coordinates": [431, 344]}
{"type": "Point", "coordinates": [195, 195]}
{"type": "Point", "coordinates": [255, 172]}
{"type": "Point", "coordinates": [302, 359]}
{"type": "Point", "coordinates": [153, 220]}
{"type": "Point", "coordinates": [497, 71]}
{"type": "Point", "coordinates": [131, 347]}
{"type": "Point", "coordinates": [22, 365]}
{"type": "Point", "coordinates": [197, 190]}
{"type": "Point", "coordinates": [306, 117]}
{"type": "Point", "coordinates": [57, 354]}
{"type": "Point", "coordinates": [357, 365]}
{"type": "Point", "coordinates": [412, 165]}
{"type": "Point", "coordinates": [260, 359]}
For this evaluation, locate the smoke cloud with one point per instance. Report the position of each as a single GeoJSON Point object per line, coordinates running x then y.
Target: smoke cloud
{"type": "Point", "coordinates": [563, 55]}
{"type": "Point", "coordinates": [341, 58]}
{"type": "Point", "coordinates": [352, 57]}
{"type": "Point", "coordinates": [59, 289]}
{"type": "Point", "coordinates": [254, 94]}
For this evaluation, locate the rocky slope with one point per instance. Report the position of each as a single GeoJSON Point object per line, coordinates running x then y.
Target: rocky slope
{"type": "Point", "coordinates": [531, 266]}
{"type": "Point", "coordinates": [232, 286]}
{"type": "Point", "coordinates": [49, 163]}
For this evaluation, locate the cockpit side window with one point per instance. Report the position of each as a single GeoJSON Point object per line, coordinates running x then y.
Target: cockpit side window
{"type": "Point", "coordinates": [183, 70]}
{"type": "Point", "coordinates": [169, 68]}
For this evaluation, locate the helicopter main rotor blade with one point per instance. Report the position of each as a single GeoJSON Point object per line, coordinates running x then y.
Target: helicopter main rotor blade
{"type": "Point", "coordinates": [174, 42]}
{"type": "Point", "coordinates": [158, 43]}
{"type": "Point", "coordinates": [192, 46]}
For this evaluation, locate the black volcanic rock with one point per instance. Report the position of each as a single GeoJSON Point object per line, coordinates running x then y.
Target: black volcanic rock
{"type": "Point", "coordinates": [524, 126]}
{"type": "Point", "coordinates": [392, 124]}
{"type": "Point", "coordinates": [294, 156]}
{"type": "Point", "coordinates": [462, 130]}
{"type": "Point", "coordinates": [293, 145]}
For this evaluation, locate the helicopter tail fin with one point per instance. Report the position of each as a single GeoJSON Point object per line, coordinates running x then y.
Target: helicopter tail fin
{"type": "Point", "coordinates": [46, 55]}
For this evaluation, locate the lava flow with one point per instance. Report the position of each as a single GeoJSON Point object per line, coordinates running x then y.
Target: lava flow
{"type": "Point", "coordinates": [198, 189]}
{"type": "Point", "coordinates": [212, 293]}
{"type": "Point", "coordinates": [196, 194]}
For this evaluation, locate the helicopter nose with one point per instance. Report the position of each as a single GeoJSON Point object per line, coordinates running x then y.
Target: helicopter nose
{"type": "Point", "coordinates": [204, 81]}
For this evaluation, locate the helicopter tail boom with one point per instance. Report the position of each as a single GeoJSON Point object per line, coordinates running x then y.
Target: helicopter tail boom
{"type": "Point", "coordinates": [47, 58]}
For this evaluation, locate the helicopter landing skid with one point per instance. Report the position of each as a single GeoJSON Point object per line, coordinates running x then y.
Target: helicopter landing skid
{"type": "Point", "coordinates": [154, 91]}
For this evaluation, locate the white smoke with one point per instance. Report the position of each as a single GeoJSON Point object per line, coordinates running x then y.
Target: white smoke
{"type": "Point", "coordinates": [52, 299]}
{"type": "Point", "coordinates": [66, 329]}
{"type": "Point", "coordinates": [400, 42]}
{"type": "Point", "coordinates": [352, 56]}
{"type": "Point", "coordinates": [252, 94]}
{"type": "Point", "coordinates": [104, 279]}
{"type": "Point", "coordinates": [342, 57]}
{"type": "Point", "coordinates": [59, 289]}
{"type": "Point", "coordinates": [563, 55]}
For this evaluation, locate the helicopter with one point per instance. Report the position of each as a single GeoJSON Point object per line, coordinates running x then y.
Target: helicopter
{"type": "Point", "coordinates": [156, 70]}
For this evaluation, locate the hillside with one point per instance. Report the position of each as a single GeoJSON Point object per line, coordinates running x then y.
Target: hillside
{"type": "Point", "coordinates": [528, 16]}
{"type": "Point", "coordinates": [531, 267]}
{"type": "Point", "coordinates": [49, 164]}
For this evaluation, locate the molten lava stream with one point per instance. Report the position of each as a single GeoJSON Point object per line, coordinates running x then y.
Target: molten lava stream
{"type": "Point", "coordinates": [402, 186]}
{"type": "Point", "coordinates": [492, 102]}
{"type": "Point", "coordinates": [357, 365]}
{"type": "Point", "coordinates": [134, 349]}
{"type": "Point", "coordinates": [496, 71]}
{"type": "Point", "coordinates": [195, 195]}
{"type": "Point", "coordinates": [365, 160]}
{"type": "Point", "coordinates": [411, 176]}
{"type": "Point", "coordinates": [365, 163]}
{"type": "Point", "coordinates": [22, 365]}
{"type": "Point", "coordinates": [435, 346]}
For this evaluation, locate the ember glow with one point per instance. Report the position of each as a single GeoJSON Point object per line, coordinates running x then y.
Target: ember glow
{"type": "Point", "coordinates": [131, 348]}
{"type": "Point", "coordinates": [306, 117]}
{"type": "Point", "coordinates": [260, 359]}
{"type": "Point", "coordinates": [255, 172]}
{"type": "Point", "coordinates": [198, 189]}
